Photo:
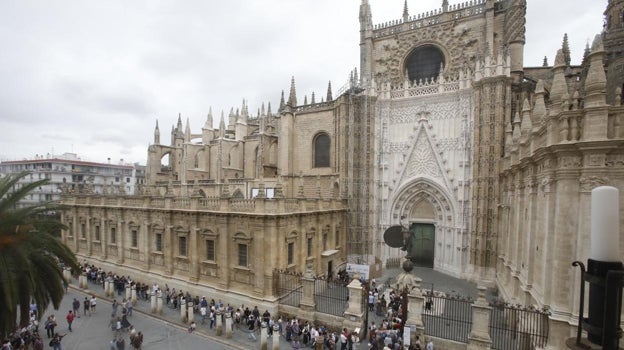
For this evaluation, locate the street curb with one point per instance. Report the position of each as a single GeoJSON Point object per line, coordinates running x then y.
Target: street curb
{"type": "Point", "coordinates": [179, 325]}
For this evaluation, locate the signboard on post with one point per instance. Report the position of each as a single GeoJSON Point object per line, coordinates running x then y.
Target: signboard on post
{"type": "Point", "coordinates": [362, 270]}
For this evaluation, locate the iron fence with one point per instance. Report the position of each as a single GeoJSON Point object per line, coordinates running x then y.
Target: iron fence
{"type": "Point", "coordinates": [288, 287]}
{"type": "Point", "coordinates": [330, 297]}
{"type": "Point", "coordinates": [447, 317]}
{"type": "Point", "coordinates": [516, 327]}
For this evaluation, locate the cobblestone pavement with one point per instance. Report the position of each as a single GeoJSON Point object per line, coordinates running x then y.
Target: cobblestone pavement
{"type": "Point", "coordinates": [167, 332]}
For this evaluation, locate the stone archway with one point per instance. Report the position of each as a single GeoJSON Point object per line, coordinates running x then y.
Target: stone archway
{"type": "Point", "coordinates": [427, 210]}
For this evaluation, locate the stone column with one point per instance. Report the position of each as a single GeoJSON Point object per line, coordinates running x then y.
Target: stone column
{"type": "Point", "coordinates": [276, 337]}
{"type": "Point", "coordinates": [414, 308]}
{"type": "Point", "coordinates": [183, 309]}
{"type": "Point", "coordinates": [106, 287]}
{"type": "Point", "coordinates": [189, 311]}
{"type": "Point", "coordinates": [219, 323]}
{"type": "Point", "coordinates": [263, 336]}
{"type": "Point", "coordinates": [153, 302]}
{"type": "Point", "coordinates": [159, 302]}
{"type": "Point", "coordinates": [128, 292]}
{"type": "Point", "coordinates": [479, 337]}
{"type": "Point", "coordinates": [133, 294]}
{"type": "Point", "coordinates": [228, 325]}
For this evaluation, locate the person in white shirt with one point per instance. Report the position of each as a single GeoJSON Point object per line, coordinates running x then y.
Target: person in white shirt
{"type": "Point", "coordinates": [429, 345]}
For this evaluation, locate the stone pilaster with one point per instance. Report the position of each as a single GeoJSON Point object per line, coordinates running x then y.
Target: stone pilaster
{"type": "Point", "coordinates": [354, 314]}
{"type": "Point", "coordinates": [414, 308]}
{"type": "Point", "coordinates": [479, 337]}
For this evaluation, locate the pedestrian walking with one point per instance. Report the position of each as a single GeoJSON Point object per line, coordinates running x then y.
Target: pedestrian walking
{"type": "Point", "coordinates": [137, 341]}
{"type": "Point", "coordinates": [93, 304]}
{"type": "Point", "coordinates": [115, 306]}
{"type": "Point", "coordinates": [55, 343]}
{"type": "Point", "coordinates": [70, 319]}
{"type": "Point", "coordinates": [50, 324]}
{"type": "Point", "coordinates": [87, 306]}
{"type": "Point", "coordinates": [76, 307]}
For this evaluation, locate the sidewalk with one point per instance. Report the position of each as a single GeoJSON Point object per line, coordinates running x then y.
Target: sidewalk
{"type": "Point", "coordinates": [240, 337]}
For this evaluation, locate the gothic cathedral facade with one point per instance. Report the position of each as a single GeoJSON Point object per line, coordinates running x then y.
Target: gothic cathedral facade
{"type": "Point", "coordinates": [444, 131]}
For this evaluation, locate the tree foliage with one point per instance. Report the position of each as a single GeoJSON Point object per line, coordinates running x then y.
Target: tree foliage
{"type": "Point", "coordinates": [30, 254]}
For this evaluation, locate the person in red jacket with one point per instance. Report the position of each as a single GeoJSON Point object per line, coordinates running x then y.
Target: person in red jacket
{"type": "Point", "coordinates": [70, 319]}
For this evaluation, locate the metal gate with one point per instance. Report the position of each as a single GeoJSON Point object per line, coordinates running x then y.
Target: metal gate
{"type": "Point", "coordinates": [422, 244]}
{"type": "Point", "coordinates": [515, 327]}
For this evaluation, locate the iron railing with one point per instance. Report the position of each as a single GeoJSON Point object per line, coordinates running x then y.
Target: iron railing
{"type": "Point", "coordinates": [447, 317]}
{"type": "Point", "coordinates": [288, 287]}
{"type": "Point", "coordinates": [518, 327]}
{"type": "Point", "coordinates": [330, 297]}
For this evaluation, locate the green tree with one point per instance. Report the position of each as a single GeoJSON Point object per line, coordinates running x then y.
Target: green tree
{"type": "Point", "coordinates": [30, 254]}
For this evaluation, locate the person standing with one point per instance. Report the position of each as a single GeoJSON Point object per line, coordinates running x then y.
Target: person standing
{"type": "Point", "coordinates": [93, 304]}
{"type": "Point", "coordinates": [129, 307]}
{"type": "Point", "coordinates": [114, 306]}
{"type": "Point", "coordinates": [76, 307]}
{"type": "Point", "coordinates": [429, 345]}
{"type": "Point", "coordinates": [137, 341]}
{"type": "Point", "coordinates": [87, 306]}
{"type": "Point", "coordinates": [70, 319]}
{"type": "Point", "coordinates": [55, 343]}
{"type": "Point", "coordinates": [50, 325]}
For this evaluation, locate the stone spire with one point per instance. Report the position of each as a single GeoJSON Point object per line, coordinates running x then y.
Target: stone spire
{"type": "Point", "coordinates": [208, 124]}
{"type": "Point", "coordinates": [596, 81]}
{"type": "Point", "coordinates": [269, 113]}
{"type": "Point", "coordinates": [222, 126]}
{"type": "Point", "coordinates": [405, 12]}
{"type": "Point", "coordinates": [559, 86]}
{"type": "Point", "coordinates": [526, 125]}
{"type": "Point", "coordinates": [305, 100]}
{"type": "Point", "coordinates": [313, 98]}
{"type": "Point", "coordinates": [545, 62]}
{"type": "Point", "coordinates": [329, 92]}
{"type": "Point", "coordinates": [244, 113]}
{"type": "Point", "coordinates": [282, 103]}
{"type": "Point", "coordinates": [187, 131]}
{"type": "Point", "coordinates": [539, 111]}
{"type": "Point", "coordinates": [516, 129]}
{"type": "Point", "coordinates": [586, 55]}
{"type": "Point", "coordinates": [292, 97]}
{"type": "Point", "coordinates": [445, 5]}
{"type": "Point", "coordinates": [179, 133]}
{"type": "Point", "coordinates": [565, 47]}
{"type": "Point", "coordinates": [156, 134]}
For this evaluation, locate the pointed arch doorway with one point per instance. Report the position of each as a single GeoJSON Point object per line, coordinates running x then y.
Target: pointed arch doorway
{"type": "Point", "coordinates": [422, 250]}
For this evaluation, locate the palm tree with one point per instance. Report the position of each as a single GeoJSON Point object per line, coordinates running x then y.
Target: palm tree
{"type": "Point", "coordinates": [30, 256]}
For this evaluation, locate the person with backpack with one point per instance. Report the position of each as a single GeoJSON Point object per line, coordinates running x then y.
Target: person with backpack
{"type": "Point", "coordinates": [55, 343]}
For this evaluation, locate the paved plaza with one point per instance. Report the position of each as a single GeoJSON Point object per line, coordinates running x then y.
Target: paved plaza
{"type": "Point", "coordinates": [167, 332]}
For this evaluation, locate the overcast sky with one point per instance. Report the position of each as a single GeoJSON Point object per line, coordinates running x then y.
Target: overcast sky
{"type": "Point", "coordinates": [92, 77]}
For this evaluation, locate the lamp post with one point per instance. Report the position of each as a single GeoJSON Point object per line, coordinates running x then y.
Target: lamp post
{"type": "Point", "coordinates": [604, 273]}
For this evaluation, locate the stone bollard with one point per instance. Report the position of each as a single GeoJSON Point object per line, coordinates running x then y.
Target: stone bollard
{"type": "Point", "coordinates": [128, 292]}
{"type": "Point", "coordinates": [320, 342]}
{"type": "Point", "coordinates": [67, 275]}
{"type": "Point", "coordinates": [219, 323]}
{"type": "Point", "coordinates": [83, 281]}
{"type": "Point", "coordinates": [159, 302]}
{"type": "Point", "coordinates": [106, 283]}
{"type": "Point", "coordinates": [153, 302]}
{"type": "Point", "coordinates": [182, 310]}
{"type": "Point", "coordinates": [133, 294]}
{"type": "Point", "coordinates": [111, 287]}
{"type": "Point", "coordinates": [276, 338]}
{"type": "Point", "coordinates": [263, 336]}
{"type": "Point", "coordinates": [228, 325]}
{"type": "Point", "coordinates": [189, 311]}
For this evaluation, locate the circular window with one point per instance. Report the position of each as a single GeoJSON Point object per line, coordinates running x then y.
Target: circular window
{"type": "Point", "coordinates": [424, 63]}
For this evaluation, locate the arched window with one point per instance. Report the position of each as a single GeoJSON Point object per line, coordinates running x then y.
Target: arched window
{"type": "Point", "coordinates": [322, 144]}
{"type": "Point", "coordinates": [425, 62]}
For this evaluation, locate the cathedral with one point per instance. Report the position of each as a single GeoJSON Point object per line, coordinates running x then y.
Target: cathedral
{"type": "Point", "coordinates": [443, 130]}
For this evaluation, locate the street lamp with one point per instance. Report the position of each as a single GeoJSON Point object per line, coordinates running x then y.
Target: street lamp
{"type": "Point", "coordinates": [604, 273]}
